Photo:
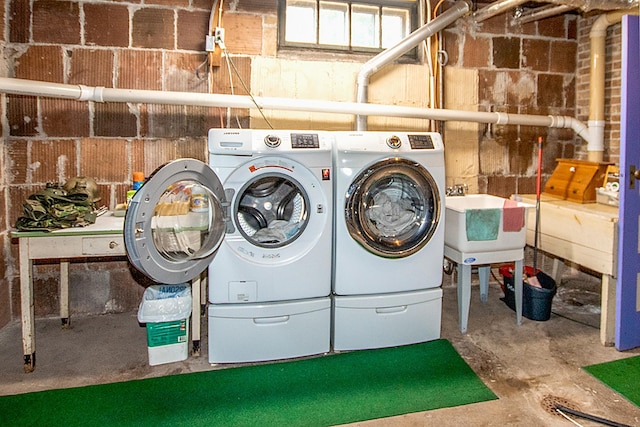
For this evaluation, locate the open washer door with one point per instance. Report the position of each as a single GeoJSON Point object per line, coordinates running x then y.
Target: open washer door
{"type": "Point", "coordinates": [176, 222]}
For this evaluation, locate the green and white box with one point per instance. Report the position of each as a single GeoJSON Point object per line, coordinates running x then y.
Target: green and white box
{"type": "Point", "coordinates": [168, 341]}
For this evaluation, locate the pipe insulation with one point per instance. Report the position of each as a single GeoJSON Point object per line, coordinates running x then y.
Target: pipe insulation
{"type": "Point", "coordinates": [589, 5]}
{"type": "Point", "coordinates": [103, 94]}
{"type": "Point", "coordinates": [502, 6]}
{"type": "Point", "coordinates": [496, 8]}
{"type": "Point", "coordinates": [539, 13]}
{"type": "Point", "coordinates": [458, 9]}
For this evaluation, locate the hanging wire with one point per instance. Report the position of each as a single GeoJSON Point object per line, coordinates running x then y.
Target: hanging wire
{"type": "Point", "coordinates": [438, 60]}
{"type": "Point", "coordinates": [244, 86]}
{"type": "Point", "coordinates": [228, 61]}
{"type": "Point", "coordinates": [428, 44]}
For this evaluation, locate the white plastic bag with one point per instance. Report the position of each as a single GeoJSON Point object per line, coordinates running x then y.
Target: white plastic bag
{"type": "Point", "coordinates": [165, 303]}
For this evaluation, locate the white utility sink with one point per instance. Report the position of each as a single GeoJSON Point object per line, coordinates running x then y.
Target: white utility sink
{"type": "Point", "coordinates": [456, 231]}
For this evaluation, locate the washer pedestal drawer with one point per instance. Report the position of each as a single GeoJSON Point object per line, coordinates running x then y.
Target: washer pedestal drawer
{"type": "Point", "coordinates": [386, 320]}
{"type": "Point", "coordinates": [268, 331]}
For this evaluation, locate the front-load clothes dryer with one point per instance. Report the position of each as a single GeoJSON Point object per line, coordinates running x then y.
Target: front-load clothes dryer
{"type": "Point", "coordinates": [270, 282]}
{"type": "Point", "coordinates": [259, 217]}
{"type": "Point", "coordinates": [389, 238]}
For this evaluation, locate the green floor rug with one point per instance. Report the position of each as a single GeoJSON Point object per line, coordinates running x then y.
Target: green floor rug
{"type": "Point", "coordinates": [322, 391]}
{"type": "Point", "coordinates": [621, 375]}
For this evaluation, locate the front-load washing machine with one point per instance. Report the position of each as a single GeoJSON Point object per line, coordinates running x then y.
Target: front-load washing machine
{"type": "Point", "coordinates": [259, 216]}
{"type": "Point", "coordinates": [270, 283]}
{"type": "Point", "coordinates": [389, 238]}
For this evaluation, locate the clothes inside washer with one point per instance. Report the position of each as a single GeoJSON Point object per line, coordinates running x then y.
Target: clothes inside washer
{"type": "Point", "coordinates": [277, 231]}
{"type": "Point", "coordinates": [391, 216]}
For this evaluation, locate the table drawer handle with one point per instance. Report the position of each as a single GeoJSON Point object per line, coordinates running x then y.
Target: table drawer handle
{"type": "Point", "coordinates": [113, 245]}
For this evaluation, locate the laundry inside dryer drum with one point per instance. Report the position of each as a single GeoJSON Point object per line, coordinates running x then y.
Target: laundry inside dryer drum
{"type": "Point", "coordinates": [395, 207]}
{"type": "Point", "coordinates": [391, 208]}
{"type": "Point", "coordinates": [272, 211]}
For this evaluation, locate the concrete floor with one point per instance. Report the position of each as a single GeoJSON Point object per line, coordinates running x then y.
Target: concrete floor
{"type": "Point", "coordinates": [529, 367]}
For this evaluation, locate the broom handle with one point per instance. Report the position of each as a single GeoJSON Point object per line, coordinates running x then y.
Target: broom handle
{"type": "Point", "coordinates": [538, 191]}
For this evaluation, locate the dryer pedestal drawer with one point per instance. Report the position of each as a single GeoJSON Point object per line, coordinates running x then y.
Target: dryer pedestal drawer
{"type": "Point", "coordinates": [268, 331]}
{"type": "Point", "coordinates": [386, 320]}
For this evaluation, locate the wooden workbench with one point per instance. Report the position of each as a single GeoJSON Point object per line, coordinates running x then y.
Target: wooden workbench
{"type": "Point", "coordinates": [582, 233]}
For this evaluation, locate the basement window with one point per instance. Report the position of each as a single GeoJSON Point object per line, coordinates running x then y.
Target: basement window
{"type": "Point", "coordinates": [364, 26]}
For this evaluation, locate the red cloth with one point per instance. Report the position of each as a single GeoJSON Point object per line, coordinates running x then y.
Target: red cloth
{"type": "Point", "coordinates": [512, 216]}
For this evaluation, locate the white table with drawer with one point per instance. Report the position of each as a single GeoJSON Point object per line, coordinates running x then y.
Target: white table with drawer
{"type": "Point", "coordinates": [102, 239]}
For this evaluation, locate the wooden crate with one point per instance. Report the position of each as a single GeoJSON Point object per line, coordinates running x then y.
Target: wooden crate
{"type": "Point", "coordinates": [576, 180]}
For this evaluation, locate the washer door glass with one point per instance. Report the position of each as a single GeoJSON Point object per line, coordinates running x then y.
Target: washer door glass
{"type": "Point", "coordinates": [175, 222]}
{"type": "Point", "coordinates": [272, 211]}
{"type": "Point", "coordinates": [393, 208]}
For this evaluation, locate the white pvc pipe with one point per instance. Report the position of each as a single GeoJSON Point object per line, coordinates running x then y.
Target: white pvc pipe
{"type": "Point", "coordinates": [596, 122]}
{"type": "Point", "coordinates": [102, 94]}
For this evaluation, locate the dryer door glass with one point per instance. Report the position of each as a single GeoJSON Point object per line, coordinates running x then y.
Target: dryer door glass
{"type": "Point", "coordinates": [393, 207]}
{"type": "Point", "coordinates": [175, 222]}
{"type": "Point", "coordinates": [272, 210]}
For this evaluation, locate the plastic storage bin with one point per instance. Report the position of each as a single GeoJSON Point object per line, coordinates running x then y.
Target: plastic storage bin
{"type": "Point", "coordinates": [166, 310]}
{"type": "Point", "coordinates": [536, 302]}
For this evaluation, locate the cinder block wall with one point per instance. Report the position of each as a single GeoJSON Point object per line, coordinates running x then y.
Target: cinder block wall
{"type": "Point", "coordinates": [521, 69]}
{"type": "Point", "coordinates": [155, 45]}
{"type": "Point", "coordinates": [159, 45]}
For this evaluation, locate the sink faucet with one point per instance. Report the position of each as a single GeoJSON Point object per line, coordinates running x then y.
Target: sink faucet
{"type": "Point", "coordinates": [457, 190]}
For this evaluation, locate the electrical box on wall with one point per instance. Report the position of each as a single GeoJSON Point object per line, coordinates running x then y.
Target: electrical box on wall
{"type": "Point", "coordinates": [576, 180]}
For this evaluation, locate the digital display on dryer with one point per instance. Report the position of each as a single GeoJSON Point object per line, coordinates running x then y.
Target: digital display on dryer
{"type": "Point", "coordinates": [421, 142]}
{"type": "Point", "coordinates": [305, 140]}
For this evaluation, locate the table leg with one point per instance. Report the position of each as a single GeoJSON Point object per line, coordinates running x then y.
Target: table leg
{"type": "Point", "coordinates": [26, 307]}
{"type": "Point", "coordinates": [64, 294]}
{"type": "Point", "coordinates": [464, 295]}
{"type": "Point", "coordinates": [608, 310]}
{"type": "Point", "coordinates": [517, 282]}
{"type": "Point", "coordinates": [483, 274]}
{"type": "Point", "coordinates": [203, 294]}
{"type": "Point", "coordinates": [195, 316]}
{"type": "Point", "coordinates": [557, 269]}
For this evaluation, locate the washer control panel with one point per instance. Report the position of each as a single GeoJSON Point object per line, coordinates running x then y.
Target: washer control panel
{"type": "Point", "coordinates": [305, 140]}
